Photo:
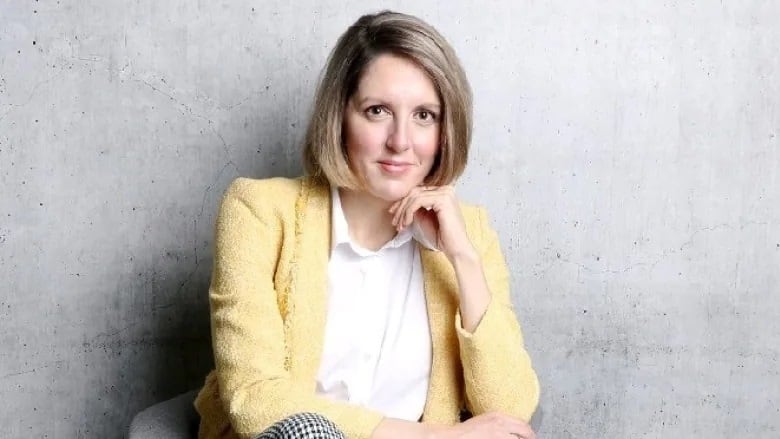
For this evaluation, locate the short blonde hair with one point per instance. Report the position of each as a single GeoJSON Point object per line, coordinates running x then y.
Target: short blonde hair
{"type": "Point", "coordinates": [324, 152]}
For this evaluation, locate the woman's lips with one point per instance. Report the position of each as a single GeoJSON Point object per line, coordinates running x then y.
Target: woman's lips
{"type": "Point", "coordinates": [395, 168]}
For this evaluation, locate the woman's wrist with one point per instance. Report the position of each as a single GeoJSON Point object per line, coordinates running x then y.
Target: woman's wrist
{"type": "Point", "coordinates": [473, 292]}
{"type": "Point", "coordinates": [436, 431]}
{"type": "Point", "coordinates": [391, 428]}
{"type": "Point", "coordinates": [466, 257]}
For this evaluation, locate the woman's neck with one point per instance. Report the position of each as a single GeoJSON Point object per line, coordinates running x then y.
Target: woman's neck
{"type": "Point", "coordinates": [369, 222]}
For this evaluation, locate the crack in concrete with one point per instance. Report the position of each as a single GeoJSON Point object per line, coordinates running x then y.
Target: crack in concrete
{"type": "Point", "coordinates": [11, 375]}
{"type": "Point", "coordinates": [33, 370]}
{"type": "Point", "coordinates": [114, 333]}
{"type": "Point", "coordinates": [30, 96]}
{"type": "Point", "coordinates": [195, 269]}
{"type": "Point", "coordinates": [187, 109]}
{"type": "Point", "coordinates": [191, 112]}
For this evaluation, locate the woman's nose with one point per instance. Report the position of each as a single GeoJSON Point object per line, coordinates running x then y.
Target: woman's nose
{"type": "Point", "coordinates": [398, 137]}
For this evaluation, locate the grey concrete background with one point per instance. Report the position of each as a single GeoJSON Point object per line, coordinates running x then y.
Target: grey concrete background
{"type": "Point", "coordinates": [627, 150]}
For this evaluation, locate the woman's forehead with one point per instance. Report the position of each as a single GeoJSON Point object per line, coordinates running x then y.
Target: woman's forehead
{"type": "Point", "coordinates": [391, 77]}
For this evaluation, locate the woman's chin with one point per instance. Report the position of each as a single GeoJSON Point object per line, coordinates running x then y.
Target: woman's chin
{"type": "Point", "coordinates": [390, 193]}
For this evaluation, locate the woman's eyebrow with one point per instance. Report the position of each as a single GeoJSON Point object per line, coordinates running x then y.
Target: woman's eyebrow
{"type": "Point", "coordinates": [368, 98]}
{"type": "Point", "coordinates": [365, 99]}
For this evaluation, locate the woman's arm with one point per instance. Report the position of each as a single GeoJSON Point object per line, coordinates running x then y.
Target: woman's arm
{"type": "Point", "coordinates": [396, 428]}
{"type": "Point", "coordinates": [497, 370]}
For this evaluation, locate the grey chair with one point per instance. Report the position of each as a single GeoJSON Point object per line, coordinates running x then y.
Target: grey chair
{"type": "Point", "coordinates": [175, 418]}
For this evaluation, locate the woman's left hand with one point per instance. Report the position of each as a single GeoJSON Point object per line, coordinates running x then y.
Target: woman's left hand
{"type": "Point", "coordinates": [437, 212]}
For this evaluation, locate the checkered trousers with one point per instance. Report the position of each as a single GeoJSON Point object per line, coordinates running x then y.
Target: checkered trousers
{"type": "Point", "coordinates": [303, 426]}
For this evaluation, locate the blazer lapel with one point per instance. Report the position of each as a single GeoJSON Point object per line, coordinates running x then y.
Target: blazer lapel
{"type": "Point", "coordinates": [307, 295]}
{"type": "Point", "coordinates": [441, 298]}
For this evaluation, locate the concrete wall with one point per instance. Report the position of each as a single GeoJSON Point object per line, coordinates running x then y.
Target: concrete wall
{"type": "Point", "coordinates": [627, 150]}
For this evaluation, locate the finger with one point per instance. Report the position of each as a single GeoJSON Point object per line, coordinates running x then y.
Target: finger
{"type": "Point", "coordinates": [403, 206]}
{"type": "Point", "coordinates": [427, 201]}
{"type": "Point", "coordinates": [404, 213]}
{"type": "Point", "coordinates": [514, 425]}
{"type": "Point", "coordinates": [520, 429]}
{"type": "Point", "coordinates": [399, 207]}
{"type": "Point", "coordinates": [436, 199]}
{"type": "Point", "coordinates": [394, 206]}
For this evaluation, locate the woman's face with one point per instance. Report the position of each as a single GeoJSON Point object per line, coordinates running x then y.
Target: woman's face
{"type": "Point", "coordinates": [392, 127]}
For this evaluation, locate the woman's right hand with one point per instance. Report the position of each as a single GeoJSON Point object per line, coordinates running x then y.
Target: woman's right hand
{"type": "Point", "coordinates": [487, 426]}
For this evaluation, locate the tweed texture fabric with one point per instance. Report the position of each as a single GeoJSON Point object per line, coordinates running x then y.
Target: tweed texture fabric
{"type": "Point", "coordinates": [268, 299]}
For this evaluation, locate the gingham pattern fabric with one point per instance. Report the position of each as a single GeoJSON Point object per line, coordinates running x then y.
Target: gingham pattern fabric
{"type": "Point", "coordinates": [303, 426]}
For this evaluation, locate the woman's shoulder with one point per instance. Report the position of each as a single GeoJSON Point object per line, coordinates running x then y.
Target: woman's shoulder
{"type": "Point", "coordinates": [268, 197]}
{"type": "Point", "coordinates": [252, 187]}
{"type": "Point", "coordinates": [269, 191]}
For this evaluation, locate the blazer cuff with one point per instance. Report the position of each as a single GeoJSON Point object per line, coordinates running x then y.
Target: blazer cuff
{"type": "Point", "coordinates": [486, 328]}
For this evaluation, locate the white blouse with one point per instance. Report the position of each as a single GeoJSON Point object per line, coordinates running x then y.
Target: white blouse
{"type": "Point", "coordinates": [377, 345]}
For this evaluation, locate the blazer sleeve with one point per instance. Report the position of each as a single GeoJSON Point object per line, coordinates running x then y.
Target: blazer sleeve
{"type": "Point", "coordinates": [247, 328]}
{"type": "Point", "coordinates": [497, 370]}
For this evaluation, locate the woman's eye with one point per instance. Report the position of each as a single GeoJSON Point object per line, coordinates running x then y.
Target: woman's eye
{"type": "Point", "coordinates": [426, 116]}
{"type": "Point", "coordinates": [375, 110]}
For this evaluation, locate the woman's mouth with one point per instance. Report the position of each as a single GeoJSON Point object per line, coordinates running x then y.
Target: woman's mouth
{"type": "Point", "coordinates": [393, 167]}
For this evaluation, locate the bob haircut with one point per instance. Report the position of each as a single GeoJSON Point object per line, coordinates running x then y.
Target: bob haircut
{"type": "Point", "coordinates": [391, 33]}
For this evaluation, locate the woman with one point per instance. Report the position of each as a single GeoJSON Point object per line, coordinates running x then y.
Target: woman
{"type": "Point", "coordinates": [363, 300]}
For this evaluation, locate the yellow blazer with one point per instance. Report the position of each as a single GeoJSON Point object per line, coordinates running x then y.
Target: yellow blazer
{"type": "Point", "coordinates": [268, 309]}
